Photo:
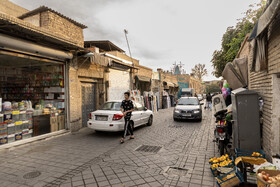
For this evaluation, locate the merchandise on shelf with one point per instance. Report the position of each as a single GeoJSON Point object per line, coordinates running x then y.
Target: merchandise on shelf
{"type": "Point", "coordinates": [24, 89]}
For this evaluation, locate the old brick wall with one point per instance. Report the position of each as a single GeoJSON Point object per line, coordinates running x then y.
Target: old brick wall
{"type": "Point", "coordinates": [83, 70]}
{"type": "Point", "coordinates": [62, 26]}
{"type": "Point", "coordinates": [196, 84]}
{"type": "Point", "coordinates": [168, 77]}
{"type": "Point", "coordinates": [75, 97]}
{"type": "Point", "coordinates": [144, 71]}
{"type": "Point", "coordinates": [155, 82]}
{"type": "Point", "coordinates": [266, 84]}
{"type": "Point", "coordinates": [35, 19]}
{"type": "Point", "coordinates": [12, 9]}
{"type": "Point", "coordinates": [92, 72]}
{"type": "Point", "coordinates": [244, 49]}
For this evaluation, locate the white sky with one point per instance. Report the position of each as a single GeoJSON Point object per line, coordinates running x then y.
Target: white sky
{"type": "Point", "coordinates": [160, 32]}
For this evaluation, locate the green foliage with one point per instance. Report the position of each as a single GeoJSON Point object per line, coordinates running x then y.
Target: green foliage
{"type": "Point", "coordinates": [234, 36]}
{"type": "Point", "coordinates": [212, 88]}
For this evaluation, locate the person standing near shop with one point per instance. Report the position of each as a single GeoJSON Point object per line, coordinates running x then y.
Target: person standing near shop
{"type": "Point", "coordinates": [208, 101]}
{"type": "Point", "coordinates": [127, 108]}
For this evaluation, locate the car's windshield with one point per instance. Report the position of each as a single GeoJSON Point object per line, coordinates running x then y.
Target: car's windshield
{"type": "Point", "coordinates": [188, 101]}
{"type": "Point", "coordinates": [111, 106]}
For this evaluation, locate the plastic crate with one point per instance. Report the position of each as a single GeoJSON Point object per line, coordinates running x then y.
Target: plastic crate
{"type": "Point", "coordinates": [216, 172]}
{"type": "Point", "coordinates": [234, 179]}
{"type": "Point", "coordinates": [240, 153]}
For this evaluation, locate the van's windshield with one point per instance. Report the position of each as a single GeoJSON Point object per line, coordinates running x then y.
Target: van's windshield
{"type": "Point", "coordinates": [188, 101]}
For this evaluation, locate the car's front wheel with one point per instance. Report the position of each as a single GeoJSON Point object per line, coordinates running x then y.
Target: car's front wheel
{"type": "Point", "coordinates": [150, 121]}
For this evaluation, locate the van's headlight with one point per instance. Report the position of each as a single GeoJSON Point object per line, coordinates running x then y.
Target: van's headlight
{"type": "Point", "coordinates": [177, 111]}
{"type": "Point", "coordinates": [196, 111]}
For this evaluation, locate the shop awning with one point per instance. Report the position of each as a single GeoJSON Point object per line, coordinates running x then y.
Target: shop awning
{"type": "Point", "coordinates": [143, 78]}
{"type": "Point", "coordinates": [266, 18]}
{"type": "Point", "coordinates": [176, 85]}
{"type": "Point", "coordinates": [8, 42]}
{"type": "Point", "coordinates": [120, 65]}
{"type": "Point", "coordinates": [169, 84]}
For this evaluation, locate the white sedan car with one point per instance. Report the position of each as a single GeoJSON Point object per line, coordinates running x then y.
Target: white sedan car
{"type": "Point", "coordinates": [110, 117]}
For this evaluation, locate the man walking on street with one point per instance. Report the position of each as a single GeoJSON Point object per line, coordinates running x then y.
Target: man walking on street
{"type": "Point", "coordinates": [209, 101]}
{"type": "Point", "coordinates": [126, 108]}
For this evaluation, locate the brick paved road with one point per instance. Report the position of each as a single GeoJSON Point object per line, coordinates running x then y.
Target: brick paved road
{"type": "Point", "coordinates": [97, 159]}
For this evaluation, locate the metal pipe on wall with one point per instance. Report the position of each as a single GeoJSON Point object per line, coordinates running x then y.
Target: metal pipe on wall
{"type": "Point", "coordinates": [30, 47]}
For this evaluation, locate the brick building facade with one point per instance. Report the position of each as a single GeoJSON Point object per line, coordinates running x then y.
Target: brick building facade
{"type": "Point", "coordinates": [88, 78]}
{"type": "Point", "coordinates": [36, 28]}
{"type": "Point", "coordinates": [196, 84]}
{"type": "Point", "coordinates": [57, 23]}
{"type": "Point", "coordinates": [264, 78]}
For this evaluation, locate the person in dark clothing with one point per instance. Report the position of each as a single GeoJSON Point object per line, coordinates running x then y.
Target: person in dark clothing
{"type": "Point", "coordinates": [209, 101]}
{"type": "Point", "coordinates": [127, 108]}
{"type": "Point", "coordinates": [228, 100]}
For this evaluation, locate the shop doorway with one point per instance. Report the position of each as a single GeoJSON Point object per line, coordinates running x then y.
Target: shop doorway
{"type": "Point", "coordinates": [88, 101]}
{"type": "Point", "coordinates": [32, 91]}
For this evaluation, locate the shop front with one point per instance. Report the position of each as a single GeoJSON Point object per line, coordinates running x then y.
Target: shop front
{"type": "Point", "coordinates": [168, 94]}
{"type": "Point", "coordinates": [33, 94]}
{"type": "Point", "coordinates": [142, 83]}
{"type": "Point", "coordinates": [119, 80]}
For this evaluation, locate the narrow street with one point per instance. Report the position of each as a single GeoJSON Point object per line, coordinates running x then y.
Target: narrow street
{"type": "Point", "coordinates": [97, 159]}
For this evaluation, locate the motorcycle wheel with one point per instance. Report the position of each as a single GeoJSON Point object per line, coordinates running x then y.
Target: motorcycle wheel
{"type": "Point", "coordinates": [221, 147]}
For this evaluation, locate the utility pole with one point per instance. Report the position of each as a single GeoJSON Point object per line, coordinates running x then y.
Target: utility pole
{"type": "Point", "coordinates": [125, 33]}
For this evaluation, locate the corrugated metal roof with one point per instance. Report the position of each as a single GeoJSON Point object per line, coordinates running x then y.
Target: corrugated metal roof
{"type": "Point", "coordinates": [44, 8]}
{"type": "Point", "coordinates": [105, 45]}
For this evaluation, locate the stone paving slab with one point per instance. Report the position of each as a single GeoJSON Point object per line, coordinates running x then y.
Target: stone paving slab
{"type": "Point", "coordinates": [97, 159]}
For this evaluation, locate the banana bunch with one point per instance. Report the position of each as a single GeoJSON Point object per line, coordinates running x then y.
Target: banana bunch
{"type": "Point", "coordinates": [225, 163]}
{"type": "Point", "coordinates": [256, 154]}
{"type": "Point", "coordinates": [219, 159]}
{"type": "Point", "coordinates": [221, 164]}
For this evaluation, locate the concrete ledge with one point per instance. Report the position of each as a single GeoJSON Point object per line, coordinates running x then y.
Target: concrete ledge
{"type": "Point", "coordinates": [33, 139]}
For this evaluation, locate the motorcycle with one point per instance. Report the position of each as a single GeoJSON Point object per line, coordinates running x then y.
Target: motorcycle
{"type": "Point", "coordinates": [223, 130]}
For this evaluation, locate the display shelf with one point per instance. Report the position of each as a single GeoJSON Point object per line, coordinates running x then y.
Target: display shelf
{"type": "Point", "coordinates": [34, 93]}
{"type": "Point", "coordinates": [55, 73]}
{"type": "Point", "coordinates": [23, 98]}
{"type": "Point", "coordinates": [31, 86]}
{"type": "Point", "coordinates": [58, 79]}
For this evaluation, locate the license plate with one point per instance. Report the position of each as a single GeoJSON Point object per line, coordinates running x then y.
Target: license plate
{"type": "Point", "coordinates": [101, 118]}
{"type": "Point", "coordinates": [222, 136]}
{"type": "Point", "coordinates": [187, 115]}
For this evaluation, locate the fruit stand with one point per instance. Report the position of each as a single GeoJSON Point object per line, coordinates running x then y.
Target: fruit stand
{"type": "Point", "coordinates": [225, 172]}
{"type": "Point", "coordinates": [245, 160]}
